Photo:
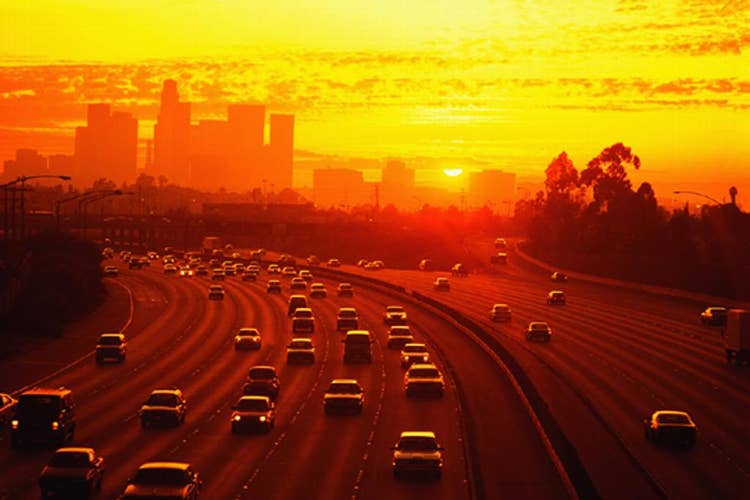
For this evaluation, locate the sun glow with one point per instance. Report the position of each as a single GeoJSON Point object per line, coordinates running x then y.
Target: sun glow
{"type": "Point", "coordinates": [453, 172]}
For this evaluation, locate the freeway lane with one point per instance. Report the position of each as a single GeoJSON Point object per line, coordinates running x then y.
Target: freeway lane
{"type": "Point", "coordinates": [189, 345]}
{"type": "Point", "coordinates": [618, 356]}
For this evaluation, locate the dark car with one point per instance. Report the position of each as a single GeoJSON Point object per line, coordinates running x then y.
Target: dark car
{"type": "Point", "coordinates": [500, 258]}
{"type": "Point", "coordinates": [111, 346]}
{"type": "Point", "coordinates": [500, 312]}
{"type": "Point", "coordinates": [556, 297]}
{"type": "Point", "coordinates": [295, 302]}
{"type": "Point", "coordinates": [300, 350]}
{"type": "Point", "coordinates": [347, 319]}
{"type": "Point", "coordinates": [345, 290]}
{"type": "Point", "coordinates": [424, 378]}
{"type": "Point", "coordinates": [253, 413]}
{"type": "Point", "coordinates": [111, 271]}
{"type": "Point", "coordinates": [459, 270]}
{"type": "Point", "coordinates": [670, 427]}
{"type": "Point", "coordinates": [344, 396]}
{"type": "Point", "coordinates": [43, 415]}
{"type": "Point", "coordinates": [399, 336]}
{"type": "Point", "coordinates": [262, 381]}
{"type": "Point", "coordinates": [72, 473]}
{"type": "Point", "coordinates": [334, 263]}
{"type": "Point", "coordinates": [247, 338]}
{"type": "Point", "coordinates": [250, 276]}
{"type": "Point", "coordinates": [162, 480]}
{"type": "Point", "coordinates": [273, 286]}
{"type": "Point", "coordinates": [216, 292]}
{"type": "Point", "coordinates": [163, 407]}
{"type": "Point", "coordinates": [442, 284]}
{"type": "Point", "coordinates": [395, 315]}
{"type": "Point", "coordinates": [414, 353]}
{"type": "Point", "coordinates": [417, 453]}
{"type": "Point", "coordinates": [714, 316]}
{"type": "Point", "coordinates": [318, 290]}
{"type": "Point", "coordinates": [425, 265]}
{"type": "Point", "coordinates": [538, 330]}
{"type": "Point", "coordinates": [559, 276]}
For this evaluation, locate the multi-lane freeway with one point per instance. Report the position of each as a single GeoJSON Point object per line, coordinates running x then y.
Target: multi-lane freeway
{"type": "Point", "coordinates": [615, 356]}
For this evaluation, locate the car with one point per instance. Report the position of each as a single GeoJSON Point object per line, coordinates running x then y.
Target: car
{"type": "Point", "coordinates": [414, 352]}
{"type": "Point", "coordinates": [287, 260]}
{"type": "Point", "coordinates": [313, 260]}
{"type": "Point", "coordinates": [425, 265]}
{"type": "Point", "coordinates": [253, 267]}
{"type": "Point", "coordinates": [273, 286]}
{"type": "Point", "coordinates": [334, 263]}
{"type": "Point", "coordinates": [500, 258]}
{"type": "Point", "coordinates": [395, 315]}
{"type": "Point", "coordinates": [500, 312]}
{"type": "Point", "coordinates": [345, 290]}
{"type": "Point", "coordinates": [229, 270]}
{"type": "Point", "coordinates": [357, 345]}
{"type": "Point", "coordinates": [253, 413]}
{"type": "Point", "coordinates": [163, 407]}
{"type": "Point", "coordinates": [501, 244]}
{"type": "Point", "coordinates": [7, 408]}
{"type": "Point", "coordinates": [399, 336]}
{"type": "Point", "coordinates": [714, 316]}
{"type": "Point", "coordinates": [296, 301]}
{"type": "Point", "coordinates": [216, 292]}
{"type": "Point", "coordinates": [135, 263]}
{"type": "Point", "coordinates": [72, 472]}
{"type": "Point", "coordinates": [559, 276]}
{"type": "Point", "coordinates": [170, 269]}
{"type": "Point", "coordinates": [108, 253]}
{"type": "Point", "coordinates": [556, 297]}
{"type": "Point", "coordinates": [201, 270]}
{"type": "Point", "coordinates": [250, 276]}
{"type": "Point", "coordinates": [417, 452]}
{"type": "Point", "coordinates": [273, 269]}
{"type": "Point", "coordinates": [213, 263]}
{"type": "Point", "coordinates": [173, 480]}
{"type": "Point", "coordinates": [111, 346]}
{"type": "Point", "coordinates": [343, 396]}
{"type": "Point", "coordinates": [298, 284]}
{"type": "Point", "coordinates": [538, 330]}
{"type": "Point", "coordinates": [218, 275]}
{"type": "Point", "coordinates": [262, 381]}
{"type": "Point", "coordinates": [247, 338]}
{"type": "Point", "coordinates": [288, 271]}
{"type": "Point", "coordinates": [186, 272]}
{"type": "Point", "coordinates": [318, 290]}
{"type": "Point", "coordinates": [300, 350]}
{"type": "Point", "coordinates": [111, 271]}
{"type": "Point", "coordinates": [459, 270]}
{"type": "Point", "coordinates": [442, 284]}
{"type": "Point", "coordinates": [257, 254]}
{"type": "Point", "coordinates": [362, 262]}
{"type": "Point", "coordinates": [303, 320]}
{"type": "Point", "coordinates": [423, 378]}
{"type": "Point", "coordinates": [347, 319]}
{"type": "Point", "coordinates": [145, 262]}
{"type": "Point", "coordinates": [670, 427]}
{"type": "Point", "coordinates": [43, 415]}
{"type": "Point", "coordinates": [371, 266]}
{"type": "Point", "coordinates": [227, 263]}
{"type": "Point", "coordinates": [236, 255]}
{"type": "Point", "coordinates": [305, 274]}
{"type": "Point", "coordinates": [152, 255]}
{"type": "Point", "coordinates": [239, 268]}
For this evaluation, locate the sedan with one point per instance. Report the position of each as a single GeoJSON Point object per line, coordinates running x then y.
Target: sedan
{"type": "Point", "coordinates": [252, 413]}
{"type": "Point", "coordinates": [670, 427]}
{"type": "Point", "coordinates": [72, 473]}
{"type": "Point", "coordinates": [175, 480]}
{"type": "Point", "coordinates": [247, 338]}
{"type": "Point", "coordinates": [714, 316]}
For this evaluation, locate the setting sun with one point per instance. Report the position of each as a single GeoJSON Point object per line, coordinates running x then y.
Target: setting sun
{"type": "Point", "coordinates": [453, 172]}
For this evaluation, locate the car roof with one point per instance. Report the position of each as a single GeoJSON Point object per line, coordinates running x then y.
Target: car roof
{"type": "Point", "coordinates": [345, 283]}
{"type": "Point", "coordinates": [423, 365]}
{"type": "Point", "coordinates": [118, 335]}
{"type": "Point", "coordinates": [347, 309]}
{"type": "Point", "coordinates": [344, 381]}
{"type": "Point", "coordinates": [671, 412]}
{"type": "Point", "coordinates": [423, 434]}
{"type": "Point", "coordinates": [302, 339]}
{"type": "Point", "coordinates": [265, 398]}
{"type": "Point", "coordinates": [75, 449]}
{"type": "Point", "coordinates": [264, 367]}
{"type": "Point", "coordinates": [249, 330]}
{"type": "Point", "coordinates": [555, 292]}
{"type": "Point", "coordinates": [297, 296]}
{"type": "Point", "coordinates": [358, 332]}
{"type": "Point", "coordinates": [501, 305]}
{"type": "Point", "coordinates": [47, 391]}
{"type": "Point", "coordinates": [318, 284]}
{"type": "Point", "coordinates": [165, 465]}
{"type": "Point", "coordinates": [412, 344]}
{"type": "Point", "coordinates": [166, 391]}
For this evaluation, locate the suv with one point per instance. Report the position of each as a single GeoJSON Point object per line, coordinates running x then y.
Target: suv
{"type": "Point", "coordinates": [414, 353]}
{"type": "Point", "coordinates": [262, 381]}
{"type": "Point", "coordinates": [399, 336]}
{"type": "Point", "coordinates": [163, 406]}
{"type": "Point", "coordinates": [417, 452]}
{"type": "Point", "coordinates": [175, 479]}
{"type": "Point", "coordinates": [303, 320]}
{"type": "Point", "coordinates": [344, 395]}
{"type": "Point", "coordinates": [423, 378]}
{"type": "Point", "coordinates": [347, 319]}
{"type": "Point", "coordinates": [345, 290]}
{"type": "Point", "coordinates": [72, 471]}
{"type": "Point", "coordinates": [296, 301]}
{"type": "Point", "coordinates": [395, 315]}
{"type": "Point", "coordinates": [538, 330]}
{"type": "Point", "coordinates": [357, 344]}
{"type": "Point", "coordinates": [43, 415]}
{"type": "Point", "coordinates": [500, 312]}
{"type": "Point", "coordinates": [111, 345]}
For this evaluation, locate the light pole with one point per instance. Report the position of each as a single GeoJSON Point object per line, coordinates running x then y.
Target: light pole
{"type": "Point", "coordinates": [22, 179]}
{"type": "Point", "coordinates": [698, 194]}
{"type": "Point", "coordinates": [79, 196]}
{"type": "Point", "coordinates": [100, 196]}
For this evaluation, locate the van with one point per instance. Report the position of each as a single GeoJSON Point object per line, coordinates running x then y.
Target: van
{"type": "Point", "coordinates": [44, 415]}
{"type": "Point", "coordinates": [296, 301]}
{"type": "Point", "coordinates": [357, 345]}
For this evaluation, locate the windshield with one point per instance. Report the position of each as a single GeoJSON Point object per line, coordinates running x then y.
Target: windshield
{"type": "Point", "coordinates": [252, 405]}
{"type": "Point", "coordinates": [415, 348]}
{"type": "Point", "coordinates": [417, 444]}
{"type": "Point", "coordinates": [38, 405]}
{"type": "Point", "coordinates": [394, 309]}
{"type": "Point", "coordinates": [301, 313]}
{"type": "Point", "coordinates": [249, 332]}
{"type": "Point", "coordinates": [162, 400]}
{"type": "Point", "coordinates": [424, 373]}
{"type": "Point", "coordinates": [175, 477]}
{"type": "Point", "coordinates": [300, 344]}
{"type": "Point", "coordinates": [69, 459]}
{"type": "Point", "coordinates": [347, 313]}
{"type": "Point", "coordinates": [347, 388]}
{"type": "Point", "coordinates": [262, 373]}
{"type": "Point", "coordinates": [672, 418]}
{"type": "Point", "coordinates": [109, 340]}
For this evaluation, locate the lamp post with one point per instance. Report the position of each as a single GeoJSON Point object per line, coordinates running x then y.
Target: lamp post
{"type": "Point", "coordinates": [22, 179]}
{"type": "Point", "coordinates": [79, 196]}
{"type": "Point", "coordinates": [699, 194]}
{"type": "Point", "coordinates": [97, 197]}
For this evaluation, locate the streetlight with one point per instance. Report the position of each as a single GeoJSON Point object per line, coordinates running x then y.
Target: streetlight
{"type": "Point", "coordinates": [698, 194]}
{"type": "Point", "coordinates": [78, 196]}
{"type": "Point", "coordinates": [99, 196]}
{"type": "Point", "coordinates": [22, 179]}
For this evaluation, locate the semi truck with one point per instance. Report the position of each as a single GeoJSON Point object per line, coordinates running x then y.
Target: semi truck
{"type": "Point", "coordinates": [737, 336]}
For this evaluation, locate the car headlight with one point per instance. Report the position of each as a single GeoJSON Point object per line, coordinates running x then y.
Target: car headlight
{"type": "Point", "coordinates": [55, 425]}
{"type": "Point", "coordinates": [424, 358]}
{"type": "Point", "coordinates": [236, 418]}
{"type": "Point", "coordinates": [14, 424]}
{"type": "Point", "coordinates": [237, 339]}
{"type": "Point", "coordinates": [262, 418]}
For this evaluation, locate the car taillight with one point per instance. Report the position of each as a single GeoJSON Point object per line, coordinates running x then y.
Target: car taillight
{"type": "Point", "coordinates": [55, 425]}
{"type": "Point", "coordinates": [262, 418]}
{"type": "Point", "coordinates": [14, 424]}
{"type": "Point", "coordinates": [424, 358]}
{"type": "Point", "coordinates": [236, 418]}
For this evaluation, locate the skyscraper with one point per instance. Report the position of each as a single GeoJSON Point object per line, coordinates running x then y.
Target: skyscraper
{"type": "Point", "coordinates": [246, 123]}
{"type": "Point", "coordinates": [397, 185]}
{"type": "Point", "coordinates": [172, 136]}
{"type": "Point", "coordinates": [494, 189]}
{"type": "Point", "coordinates": [281, 152]}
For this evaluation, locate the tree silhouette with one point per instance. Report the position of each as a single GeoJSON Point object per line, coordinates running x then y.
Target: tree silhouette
{"type": "Point", "coordinates": [607, 176]}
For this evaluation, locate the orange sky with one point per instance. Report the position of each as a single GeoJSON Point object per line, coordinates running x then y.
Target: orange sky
{"type": "Point", "coordinates": [471, 84]}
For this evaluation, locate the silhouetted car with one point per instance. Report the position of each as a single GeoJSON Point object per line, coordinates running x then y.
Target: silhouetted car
{"type": "Point", "coordinates": [288, 271]}
{"type": "Point", "coordinates": [253, 413]}
{"type": "Point", "coordinates": [249, 276]}
{"type": "Point", "coordinates": [262, 381]}
{"type": "Point", "coordinates": [218, 275]}
{"type": "Point", "coordinates": [459, 270]}
{"type": "Point", "coordinates": [425, 265]}
{"type": "Point", "coordinates": [135, 263]}
{"type": "Point", "coordinates": [247, 338]}
{"type": "Point", "coordinates": [714, 316]}
{"type": "Point", "coordinates": [345, 290]}
{"type": "Point", "coordinates": [399, 336]}
{"type": "Point", "coordinates": [296, 301]}
{"type": "Point", "coordinates": [559, 276]}
{"type": "Point", "coordinates": [362, 262]}
{"type": "Point", "coordinates": [670, 427]}
{"type": "Point", "coordinates": [538, 330]}
{"type": "Point", "coordinates": [414, 353]}
{"type": "Point", "coordinates": [395, 315]}
{"type": "Point", "coordinates": [313, 260]}
{"type": "Point", "coordinates": [344, 396]}
{"type": "Point", "coordinates": [230, 270]}
{"type": "Point", "coordinates": [7, 408]}
{"type": "Point", "coordinates": [216, 292]}
{"type": "Point", "coordinates": [162, 480]}
{"type": "Point", "coordinates": [500, 244]}
{"type": "Point", "coordinates": [170, 269]}
{"type": "Point", "coordinates": [500, 258]}
{"type": "Point", "coordinates": [500, 312]}
{"type": "Point", "coordinates": [185, 271]}
{"type": "Point", "coordinates": [423, 378]}
{"type": "Point", "coordinates": [334, 263]}
{"type": "Point", "coordinates": [442, 284]}
{"type": "Point", "coordinates": [72, 472]}
{"type": "Point", "coordinates": [111, 271]}
{"type": "Point", "coordinates": [111, 346]}
{"type": "Point", "coordinates": [201, 270]}
{"type": "Point", "coordinates": [357, 345]}
{"type": "Point", "coordinates": [417, 453]}
{"type": "Point", "coordinates": [163, 407]}
{"type": "Point", "coordinates": [273, 286]}
{"type": "Point", "coordinates": [273, 269]}
{"type": "Point", "coordinates": [300, 350]}
{"type": "Point", "coordinates": [43, 415]}
{"type": "Point", "coordinates": [318, 290]}
{"type": "Point", "coordinates": [556, 297]}
{"type": "Point", "coordinates": [305, 274]}
{"type": "Point", "coordinates": [303, 320]}
{"type": "Point", "coordinates": [347, 319]}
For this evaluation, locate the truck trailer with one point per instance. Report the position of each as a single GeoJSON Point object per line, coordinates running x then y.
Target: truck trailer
{"type": "Point", "coordinates": [737, 336]}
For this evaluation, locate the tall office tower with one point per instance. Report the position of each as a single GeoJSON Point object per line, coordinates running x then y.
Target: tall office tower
{"type": "Point", "coordinates": [172, 137]}
{"type": "Point", "coordinates": [106, 147]}
{"type": "Point", "coordinates": [339, 187]}
{"type": "Point", "coordinates": [27, 162]}
{"type": "Point", "coordinates": [246, 124]}
{"type": "Point", "coordinates": [397, 185]}
{"type": "Point", "coordinates": [209, 164]}
{"type": "Point", "coordinates": [281, 152]}
{"type": "Point", "coordinates": [494, 189]}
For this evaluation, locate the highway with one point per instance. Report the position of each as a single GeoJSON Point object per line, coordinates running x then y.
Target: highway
{"type": "Point", "coordinates": [178, 338]}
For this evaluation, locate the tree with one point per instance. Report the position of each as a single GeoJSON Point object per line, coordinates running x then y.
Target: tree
{"type": "Point", "coordinates": [562, 176]}
{"type": "Point", "coordinates": [607, 176]}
